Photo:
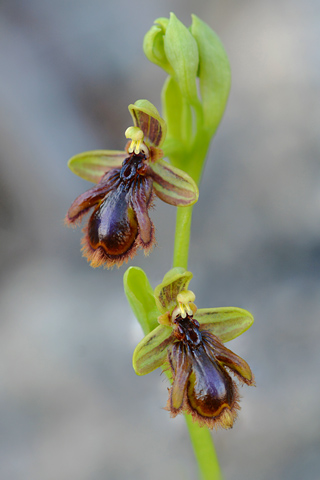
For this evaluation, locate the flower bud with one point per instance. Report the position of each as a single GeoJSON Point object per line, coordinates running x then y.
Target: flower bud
{"type": "Point", "coordinates": [153, 45]}
{"type": "Point", "coordinates": [170, 45]}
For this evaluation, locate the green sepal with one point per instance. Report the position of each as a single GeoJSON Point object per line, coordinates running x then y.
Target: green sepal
{"type": "Point", "coordinates": [226, 323]}
{"type": "Point", "coordinates": [173, 185]}
{"type": "Point", "coordinates": [214, 73]}
{"type": "Point", "coordinates": [182, 53]}
{"type": "Point", "coordinates": [176, 280]}
{"type": "Point", "coordinates": [172, 274]}
{"type": "Point", "coordinates": [151, 352]}
{"type": "Point", "coordinates": [153, 45]}
{"type": "Point", "coordinates": [141, 298]}
{"type": "Point", "coordinates": [93, 165]}
{"type": "Point", "coordinates": [147, 118]}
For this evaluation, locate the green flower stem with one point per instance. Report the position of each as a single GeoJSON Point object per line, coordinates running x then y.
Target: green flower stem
{"type": "Point", "coordinates": [194, 163]}
{"type": "Point", "coordinates": [204, 451]}
{"type": "Point", "coordinates": [182, 237]}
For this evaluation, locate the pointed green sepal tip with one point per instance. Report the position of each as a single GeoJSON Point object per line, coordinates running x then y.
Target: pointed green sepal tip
{"type": "Point", "coordinates": [172, 274]}
{"type": "Point", "coordinates": [226, 323]}
{"type": "Point", "coordinates": [94, 164]}
{"type": "Point", "coordinates": [174, 282]}
{"type": "Point", "coordinates": [141, 299]}
{"type": "Point", "coordinates": [151, 352]}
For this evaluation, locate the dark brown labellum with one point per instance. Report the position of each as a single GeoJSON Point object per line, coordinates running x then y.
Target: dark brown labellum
{"type": "Point", "coordinates": [201, 384]}
{"type": "Point", "coordinates": [113, 225]}
{"type": "Point", "coordinates": [210, 387]}
{"type": "Point", "coordinates": [120, 222]}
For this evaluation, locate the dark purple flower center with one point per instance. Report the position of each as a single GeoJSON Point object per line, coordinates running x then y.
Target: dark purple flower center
{"type": "Point", "coordinates": [133, 167]}
{"type": "Point", "coordinates": [187, 331]}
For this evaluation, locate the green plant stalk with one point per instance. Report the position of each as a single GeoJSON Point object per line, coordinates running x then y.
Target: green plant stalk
{"type": "Point", "coordinates": [200, 437]}
{"type": "Point", "coordinates": [193, 165]}
{"type": "Point", "coordinates": [204, 451]}
{"type": "Point", "coordinates": [182, 237]}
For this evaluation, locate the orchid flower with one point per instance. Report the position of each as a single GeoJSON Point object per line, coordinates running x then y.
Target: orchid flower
{"type": "Point", "coordinates": [126, 182]}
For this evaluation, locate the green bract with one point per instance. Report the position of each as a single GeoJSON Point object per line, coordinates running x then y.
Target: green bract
{"type": "Point", "coordinates": [214, 73]}
{"type": "Point", "coordinates": [182, 53]}
{"type": "Point", "coordinates": [141, 298]}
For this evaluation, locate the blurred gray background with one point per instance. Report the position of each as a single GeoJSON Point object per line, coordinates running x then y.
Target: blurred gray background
{"type": "Point", "coordinates": [71, 407]}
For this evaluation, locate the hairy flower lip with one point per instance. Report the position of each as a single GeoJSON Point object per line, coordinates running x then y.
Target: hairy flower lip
{"type": "Point", "coordinates": [126, 185]}
{"type": "Point", "coordinates": [206, 390]}
{"type": "Point", "coordinates": [120, 223]}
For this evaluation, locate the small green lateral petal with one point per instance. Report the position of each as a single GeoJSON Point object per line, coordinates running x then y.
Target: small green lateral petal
{"type": "Point", "coordinates": [147, 118]}
{"type": "Point", "coordinates": [141, 298]}
{"type": "Point", "coordinates": [151, 352]}
{"type": "Point", "coordinates": [93, 165]}
{"type": "Point", "coordinates": [226, 323]}
{"type": "Point", "coordinates": [176, 280]}
{"type": "Point", "coordinates": [173, 185]}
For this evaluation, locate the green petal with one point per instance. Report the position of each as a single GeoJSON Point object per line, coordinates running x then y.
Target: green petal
{"type": "Point", "coordinates": [147, 118]}
{"type": "Point", "coordinates": [182, 53]}
{"type": "Point", "coordinates": [93, 165]}
{"type": "Point", "coordinates": [226, 323]}
{"type": "Point", "coordinates": [141, 298]}
{"type": "Point", "coordinates": [176, 280]}
{"type": "Point", "coordinates": [151, 352]}
{"type": "Point", "coordinates": [173, 185]}
{"type": "Point", "coordinates": [214, 73]}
